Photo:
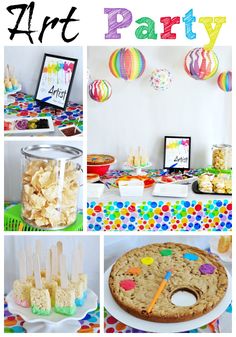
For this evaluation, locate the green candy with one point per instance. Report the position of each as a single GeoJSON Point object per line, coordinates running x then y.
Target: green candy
{"type": "Point", "coordinates": [68, 311]}
{"type": "Point", "coordinates": [41, 312]}
{"type": "Point", "coordinates": [166, 252]}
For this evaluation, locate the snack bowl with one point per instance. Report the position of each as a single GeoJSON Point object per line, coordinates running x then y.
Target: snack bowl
{"type": "Point", "coordinates": [132, 188]}
{"type": "Point", "coordinates": [95, 190]}
{"type": "Point", "coordinates": [99, 163]}
{"type": "Point", "coordinates": [70, 131]}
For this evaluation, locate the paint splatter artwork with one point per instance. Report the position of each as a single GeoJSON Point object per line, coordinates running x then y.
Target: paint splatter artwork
{"type": "Point", "coordinates": [55, 80]}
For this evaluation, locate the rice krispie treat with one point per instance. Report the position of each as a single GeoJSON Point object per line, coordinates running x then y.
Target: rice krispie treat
{"type": "Point", "coordinates": [65, 301]}
{"type": "Point", "coordinates": [79, 292]}
{"type": "Point", "coordinates": [40, 301]}
{"type": "Point", "coordinates": [21, 293]}
{"type": "Point", "coordinates": [52, 287]}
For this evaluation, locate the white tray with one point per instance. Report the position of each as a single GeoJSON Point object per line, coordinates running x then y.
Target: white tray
{"type": "Point", "coordinates": [140, 324]}
{"type": "Point", "coordinates": [54, 322]}
{"type": "Point", "coordinates": [29, 131]}
{"type": "Point", "coordinates": [170, 190]}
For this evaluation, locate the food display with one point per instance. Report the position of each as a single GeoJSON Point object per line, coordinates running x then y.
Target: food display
{"type": "Point", "coordinates": [53, 289]}
{"type": "Point", "coordinates": [222, 157]}
{"type": "Point", "coordinates": [176, 178]}
{"type": "Point", "coordinates": [215, 183]}
{"type": "Point", "coordinates": [99, 163]}
{"type": "Point", "coordinates": [148, 182]}
{"type": "Point", "coordinates": [138, 158]}
{"type": "Point", "coordinates": [10, 82]}
{"type": "Point", "coordinates": [144, 281]}
{"type": "Point", "coordinates": [28, 125]}
{"type": "Point", "coordinates": [50, 186]}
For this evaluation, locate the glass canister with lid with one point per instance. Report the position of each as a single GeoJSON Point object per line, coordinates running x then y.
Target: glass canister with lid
{"type": "Point", "coordinates": [222, 157]}
{"type": "Point", "coordinates": [50, 185]}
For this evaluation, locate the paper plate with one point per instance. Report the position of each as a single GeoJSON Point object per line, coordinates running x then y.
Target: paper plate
{"type": "Point", "coordinates": [115, 310]}
{"type": "Point", "coordinates": [27, 315]}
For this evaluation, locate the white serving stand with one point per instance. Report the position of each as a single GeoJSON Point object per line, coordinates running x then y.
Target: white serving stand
{"type": "Point", "coordinates": [8, 99]}
{"type": "Point", "coordinates": [138, 169]}
{"type": "Point", "coordinates": [54, 322]}
{"type": "Point", "coordinates": [116, 311]}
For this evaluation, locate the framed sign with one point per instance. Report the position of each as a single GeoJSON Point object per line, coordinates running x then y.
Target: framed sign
{"type": "Point", "coordinates": [177, 152]}
{"type": "Point", "coordinates": [55, 80]}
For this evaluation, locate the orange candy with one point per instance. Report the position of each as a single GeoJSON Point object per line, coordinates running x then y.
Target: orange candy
{"type": "Point", "coordinates": [134, 271]}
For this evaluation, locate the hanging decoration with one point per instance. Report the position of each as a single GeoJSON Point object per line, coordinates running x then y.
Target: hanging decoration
{"type": "Point", "coordinates": [100, 90]}
{"type": "Point", "coordinates": [161, 79]}
{"type": "Point", "coordinates": [225, 81]}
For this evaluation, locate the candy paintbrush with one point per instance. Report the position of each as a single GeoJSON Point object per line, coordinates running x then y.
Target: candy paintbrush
{"type": "Point", "coordinates": [159, 290]}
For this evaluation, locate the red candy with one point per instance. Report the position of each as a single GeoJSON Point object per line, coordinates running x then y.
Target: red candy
{"type": "Point", "coordinates": [127, 284]}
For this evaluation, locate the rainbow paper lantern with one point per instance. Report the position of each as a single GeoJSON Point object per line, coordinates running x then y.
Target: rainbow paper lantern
{"type": "Point", "coordinates": [127, 63]}
{"type": "Point", "coordinates": [161, 79]}
{"type": "Point", "coordinates": [100, 90]}
{"type": "Point", "coordinates": [201, 64]}
{"type": "Point", "coordinates": [225, 81]}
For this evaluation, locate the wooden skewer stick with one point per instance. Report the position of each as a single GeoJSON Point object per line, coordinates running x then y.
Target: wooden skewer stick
{"type": "Point", "coordinates": [48, 266]}
{"type": "Point", "coordinates": [159, 291]}
{"type": "Point", "coordinates": [63, 275]}
{"type": "Point", "coordinates": [37, 275]}
{"type": "Point", "coordinates": [29, 259]}
{"type": "Point", "coordinates": [22, 266]}
{"type": "Point", "coordinates": [75, 271]}
{"type": "Point", "coordinates": [54, 261]}
{"type": "Point", "coordinates": [59, 253]}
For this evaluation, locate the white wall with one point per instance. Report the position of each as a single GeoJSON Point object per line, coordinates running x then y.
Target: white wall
{"type": "Point", "coordinates": [13, 160]}
{"type": "Point", "coordinates": [90, 245]}
{"type": "Point", "coordinates": [27, 62]}
{"type": "Point", "coordinates": [136, 114]}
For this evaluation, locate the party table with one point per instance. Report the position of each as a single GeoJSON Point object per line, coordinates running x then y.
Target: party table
{"type": "Point", "coordinates": [194, 213]}
{"type": "Point", "coordinates": [25, 106]}
{"type": "Point", "coordinates": [14, 323]}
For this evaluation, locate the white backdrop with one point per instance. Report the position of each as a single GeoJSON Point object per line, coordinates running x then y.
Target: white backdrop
{"type": "Point", "coordinates": [13, 166]}
{"type": "Point", "coordinates": [136, 114]}
{"type": "Point", "coordinates": [27, 62]}
{"type": "Point", "coordinates": [90, 245]}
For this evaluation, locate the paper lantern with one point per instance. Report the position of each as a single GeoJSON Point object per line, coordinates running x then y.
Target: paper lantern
{"type": "Point", "coordinates": [225, 81]}
{"type": "Point", "coordinates": [160, 79]}
{"type": "Point", "coordinates": [100, 90]}
{"type": "Point", "coordinates": [127, 63]}
{"type": "Point", "coordinates": [201, 64]}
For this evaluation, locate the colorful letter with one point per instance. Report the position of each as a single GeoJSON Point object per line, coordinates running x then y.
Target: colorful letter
{"type": "Point", "coordinates": [212, 32]}
{"type": "Point", "coordinates": [146, 32]}
{"type": "Point", "coordinates": [168, 22]}
{"type": "Point", "coordinates": [188, 19]}
{"type": "Point", "coordinates": [114, 24]}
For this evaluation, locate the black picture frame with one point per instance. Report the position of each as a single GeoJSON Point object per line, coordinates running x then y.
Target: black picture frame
{"type": "Point", "coordinates": [177, 167]}
{"type": "Point", "coordinates": [59, 58]}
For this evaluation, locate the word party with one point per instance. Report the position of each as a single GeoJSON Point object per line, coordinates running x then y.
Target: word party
{"type": "Point", "coordinates": [121, 18]}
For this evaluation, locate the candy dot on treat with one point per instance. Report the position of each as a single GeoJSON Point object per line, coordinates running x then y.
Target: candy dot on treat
{"type": "Point", "coordinates": [166, 252]}
{"type": "Point", "coordinates": [127, 284]}
{"type": "Point", "coordinates": [190, 257]}
{"type": "Point", "coordinates": [147, 260]}
{"type": "Point", "coordinates": [206, 269]}
{"type": "Point", "coordinates": [134, 271]}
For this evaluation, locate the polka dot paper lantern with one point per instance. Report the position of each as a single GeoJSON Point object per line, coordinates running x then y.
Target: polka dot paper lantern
{"type": "Point", "coordinates": [201, 64]}
{"type": "Point", "coordinates": [225, 81]}
{"type": "Point", "coordinates": [127, 63]}
{"type": "Point", "coordinates": [100, 90]}
{"type": "Point", "coordinates": [161, 79]}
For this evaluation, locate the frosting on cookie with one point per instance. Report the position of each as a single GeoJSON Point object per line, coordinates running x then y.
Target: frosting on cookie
{"type": "Point", "coordinates": [147, 260]}
{"type": "Point", "coordinates": [127, 284]}
{"type": "Point", "coordinates": [206, 269]}
{"type": "Point", "coordinates": [190, 257]}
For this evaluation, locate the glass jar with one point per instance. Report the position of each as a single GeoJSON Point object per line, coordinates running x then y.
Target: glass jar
{"type": "Point", "coordinates": [222, 157]}
{"type": "Point", "coordinates": [50, 185]}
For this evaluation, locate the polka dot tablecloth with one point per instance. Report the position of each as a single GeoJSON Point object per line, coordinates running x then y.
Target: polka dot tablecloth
{"type": "Point", "coordinates": [181, 215]}
{"type": "Point", "coordinates": [14, 323]}
{"type": "Point", "coordinates": [223, 324]}
{"type": "Point", "coordinates": [25, 106]}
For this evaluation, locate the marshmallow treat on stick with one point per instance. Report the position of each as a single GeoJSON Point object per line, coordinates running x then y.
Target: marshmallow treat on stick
{"type": "Point", "coordinates": [40, 297]}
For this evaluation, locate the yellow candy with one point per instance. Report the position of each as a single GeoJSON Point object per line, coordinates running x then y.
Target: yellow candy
{"type": "Point", "coordinates": [147, 260]}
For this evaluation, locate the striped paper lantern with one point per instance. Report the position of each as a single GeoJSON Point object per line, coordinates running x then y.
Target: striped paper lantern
{"type": "Point", "coordinates": [225, 81]}
{"type": "Point", "coordinates": [127, 63]}
{"type": "Point", "coordinates": [201, 64]}
{"type": "Point", "coordinates": [100, 90]}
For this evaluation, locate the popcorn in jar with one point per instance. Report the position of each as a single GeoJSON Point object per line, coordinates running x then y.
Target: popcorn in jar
{"type": "Point", "coordinates": [222, 157]}
{"type": "Point", "coordinates": [50, 185]}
